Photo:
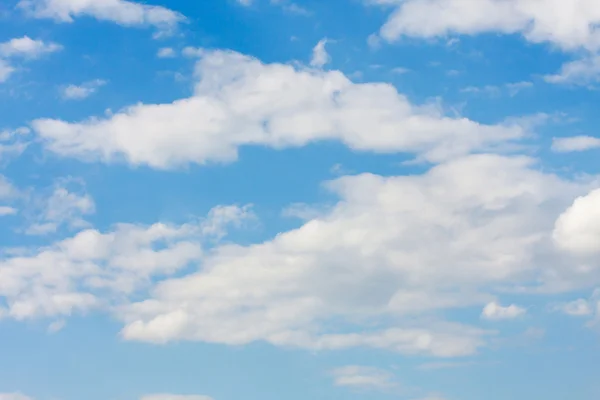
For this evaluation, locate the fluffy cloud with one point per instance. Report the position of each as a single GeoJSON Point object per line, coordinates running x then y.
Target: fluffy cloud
{"type": "Point", "coordinates": [27, 47]}
{"type": "Point", "coordinates": [579, 72]}
{"type": "Point", "coordinates": [64, 207]}
{"type": "Point", "coordinates": [575, 143]}
{"type": "Point", "coordinates": [83, 91]}
{"type": "Point", "coordinates": [122, 12]}
{"type": "Point", "coordinates": [567, 24]}
{"type": "Point", "coordinates": [94, 269]}
{"type": "Point", "coordinates": [24, 47]}
{"type": "Point", "coordinates": [5, 210]}
{"type": "Point", "coordinates": [577, 230]}
{"type": "Point", "coordinates": [576, 308]}
{"type": "Point", "coordinates": [488, 218]}
{"type": "Point", "coordinates": [240, 101]}
{"type": "Point", "coordinates": [495, 311]}
{"type": "Point", "coordinates": [166, 52]}
{"type": "Point", "coordinates": [320, 57]}
{"type": "Point", "coordinates": [356, 376]}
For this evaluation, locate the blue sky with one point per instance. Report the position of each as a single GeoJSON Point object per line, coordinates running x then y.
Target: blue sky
{"type": "Point", "coordinates": [268, 199]}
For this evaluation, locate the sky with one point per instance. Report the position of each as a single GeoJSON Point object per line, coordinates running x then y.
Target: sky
{"type": "Point", "coordinates": [299, 199]}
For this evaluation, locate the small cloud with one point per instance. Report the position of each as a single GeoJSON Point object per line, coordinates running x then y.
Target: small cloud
{"type": "Point", "coordinates": [5, 210]}
{"type": "Point", "coordinates": [494, 311]}
{"type": "Point", "coordinates": [575, 143]}
{"type": "Point", "coordinates": [166, 52]}
{"type": "Point", "coordinates": [515, 88]}
{"type": "Point", "coordinates": [56, 326]}
{"type": "Point", "coordinates": [193, 52]}
{"type": "Point", "coordinates": [400, 70]}
{"type": "Point", "coordinates": [27, 48]}
{"type": "Point", "coordinates": [360, 377]}
{"type": "Point", "coordinates": [83, 91]}
{"type": "Point", "coordinates": [320, 57]}
{"type": "Point", "coordinates": [576, 308]}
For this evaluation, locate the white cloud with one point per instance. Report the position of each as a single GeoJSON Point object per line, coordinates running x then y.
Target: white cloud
{"type": "Point", "coordinates": [27, 47]}
{"type": "Point", "coordinates": [166, 396]}
{"type": "Point", "coordinates": [13, 396]}
{"type": "Point", "coordinates": [64, 207]}
{"type": "Point", "coordinates": [98, 270]}
{"type": "Point", "coordinates": [495, 311]}
{"type": "Point", "coordinates": [23, 47]}
{"type": "Point", "coordinates": [577, 230]}
{"type": "Point", "coordinates": [245, 3]}
{"type": "Point", "coordinates": [165, 52]}
{"type": "Point", "coordinates": [356, 376]}
{"type": "Point", "coordinates": [5, 210]}
{"type": "Point", "coordinates": [569, 25]}
{"type": "Point", "coordinates": [240, 101]}
{"type": "Point", "coordinates": [122, 12]}
{"type": "Point", "coordinates": [320, 57]}
{"type": "Point", "coordinates": [577, 308]}
{"type": "Point", "coordinates": [578, 72]}
{"type": "Point", "coordinates": [5, 71]}
{"type": "Point", "coordinates": [575, 143]}
{"type": "Point", "coordinates": [369, 258]}
{"type": "Point", "coordinates": [80, 92]}
{"type": "Point", "coordinates": [7, 190]}
{"type": "Point", "coordinates": [56, 326]}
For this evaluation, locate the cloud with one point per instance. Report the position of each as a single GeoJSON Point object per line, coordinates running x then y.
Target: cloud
{"type": "Point", "coordinates": [576, 308]}
{"type": "Point", "coordinates": [240, 101]}
{"type": "Point", "coordinates": [27, 48]}
{"type": "Point", "coordinates": [93, 270]}
{"type": "Point", "coordinates": [165, 52]}
{"type": "Point", "coordinates": [122, 12]}
{"type": "Point", "coordinates": [512, 89]}
{"type": "Point", "coordinates": [83, 91]}
{"type": "Point", "coordinates": [570, 25]}
{"type": "Point", "coordinates": [320, 57]}
{"type": "Point", "coordinates": [575, 143]}
{"type": "Point", "coordinates": [361, 377]}
{"type": "Point", "coordinates": [5, 210]}
{"type": "Point", "coordinates": [66, 206]}
{"type": "Point", "coordinates": [494, 311]}
{"type": "Point", "coordinates": [7, 190]}
{"type": "Point", "coordinates": [14, 396]}
{"type": "Point", "coordinates": [577, 230]}
{"type": "Point", "coordinates": [369, 258]}
{"type": "Point", "coordinates": [23, 47]}
{"type": "Point", "coordinates": [166, 396]}
{"type": "Point", "coordinates": [5, 71]}
{"type": "Point", "coordinates": [579, 72]}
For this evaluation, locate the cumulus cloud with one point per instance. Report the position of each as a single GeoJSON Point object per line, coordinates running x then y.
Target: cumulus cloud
{"type": "Point", "coordinates": [240, 101]}
{"type": "Point", "coordinates": [575, 143]}
{"type": "Point", "coordinates": [356, 376]}
{"type": "Point", "coordinates": [495, 311]}
{"type": "Point", "coordinates": [166, 52]}
{"type": "Point", "coordinates": [23, 47]}
{"type": "Point", "coordinates": [320, 57]}
{"type": "Point", "coordinates": [569, 25]}
{"type": "Point", "coordinates": [5, 210]}
{"type": "Point", "coordinates": [576, 308]}
{"type": "Point", "coordinates": [489, 218]}
{"type": "Point", "coordinates": [97, 270]}
{"type": "Point", "coordinates": [66, 206]}
{"type": "Point", "coordinates": [579, 72]}
{"type": "Point", "coordinates": [83, 91]}
{"type": "Point", "coordinates": [122, 12]}
{"type": "Point", "coordinates": [577, 230]}
{"type": "Point", "coordinates": [27, 48]}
